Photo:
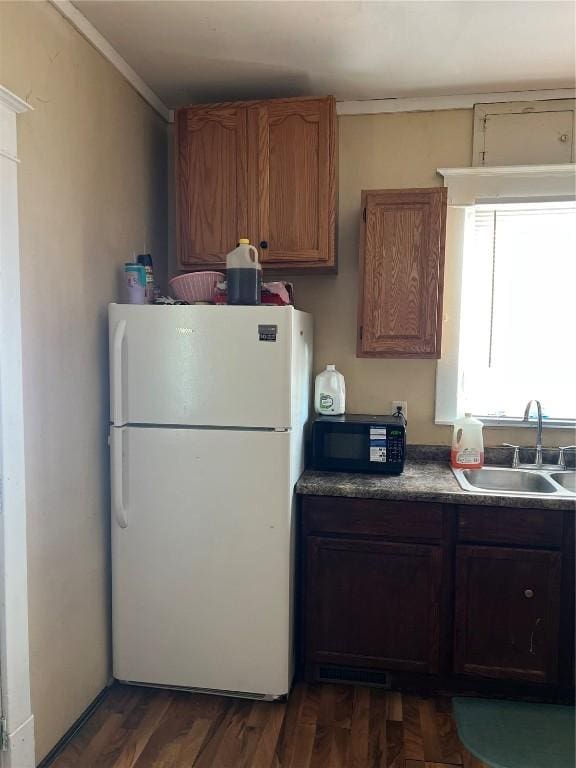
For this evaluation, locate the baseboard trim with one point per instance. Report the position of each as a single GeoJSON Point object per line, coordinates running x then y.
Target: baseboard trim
{"type": "Point", "coordinates": [74, 728]}
{"type": "Point", "coordinates": [20, 751]}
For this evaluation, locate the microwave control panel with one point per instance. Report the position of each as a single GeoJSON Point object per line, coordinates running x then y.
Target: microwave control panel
{"type": "Point", "coordinates": [386, 444]}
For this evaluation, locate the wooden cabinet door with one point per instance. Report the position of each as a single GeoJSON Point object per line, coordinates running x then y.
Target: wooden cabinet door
{"type": "Point", "coordinates": [507, 611]}
{"type": "Point", "coordinates": [401, 273]}
{"type": "Point", "coordinates": [292, 181]}
{"type": "Point", "coordinates": [373, 604]}
{"type": "Point", "coordinates": [211, 183]}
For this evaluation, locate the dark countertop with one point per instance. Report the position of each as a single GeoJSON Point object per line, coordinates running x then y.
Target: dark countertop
{"type": "Point", "coordinates": [420, 481]}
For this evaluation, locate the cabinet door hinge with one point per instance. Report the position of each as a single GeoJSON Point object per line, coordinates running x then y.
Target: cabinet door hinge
{"type": "Point", "coordinates": [3, 735]}
{"type": "Point", "coordinates": [364, 214]}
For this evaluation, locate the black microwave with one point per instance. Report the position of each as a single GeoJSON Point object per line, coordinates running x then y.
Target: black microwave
{"type": "Point", "coordinates": [358, 443]}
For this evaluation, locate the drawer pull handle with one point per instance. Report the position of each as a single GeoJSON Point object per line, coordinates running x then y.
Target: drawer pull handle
{"type": "Point", "coordinates": [528, 593]}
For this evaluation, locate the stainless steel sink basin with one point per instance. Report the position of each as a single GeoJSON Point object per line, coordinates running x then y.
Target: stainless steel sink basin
{"type": "Point", "coordinates": [502, 481]}
{"type": "Point", "coordinates": [511, 480]}
{"type": "Point", "coordinates": [566, 479]}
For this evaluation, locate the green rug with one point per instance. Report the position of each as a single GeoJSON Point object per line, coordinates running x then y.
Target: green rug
{"type": "Point", "coordinates": [516, 734]}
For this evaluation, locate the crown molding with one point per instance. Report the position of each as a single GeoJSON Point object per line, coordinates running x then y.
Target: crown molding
{"type": "Point", "coordinates": [13, 102]}
{"type": "Point", "coordinates": [9, 155]}
{"type": "Point", "coordinates": [10, 106]}
{"type": "Point", "coordinates": [433, 103]}
{"type": "Point", "coordinates": [89, 31]}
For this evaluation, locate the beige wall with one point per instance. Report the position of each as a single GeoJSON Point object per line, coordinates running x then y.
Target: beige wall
{"type": "Point", "coordinates": [386, 152]}
{"type": "Point", "coordinates": [92, 190]}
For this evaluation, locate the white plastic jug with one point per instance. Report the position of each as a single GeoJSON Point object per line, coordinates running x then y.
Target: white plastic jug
{"type": "Point", "coordinates": [330, 392]}
{"type": "Point", "coordinates": [243, 274]}
{"type": "Point", "coordinates": [467, 443]}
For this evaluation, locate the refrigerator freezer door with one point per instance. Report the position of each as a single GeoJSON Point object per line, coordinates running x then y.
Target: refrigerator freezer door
{"type": "Point", "coordinates": [201, 572]}
{"type": "Point", "coordinates": [202, 365]}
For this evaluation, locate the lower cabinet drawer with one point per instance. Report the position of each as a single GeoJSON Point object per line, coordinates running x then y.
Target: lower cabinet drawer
{"type": "Point", "coordinates": [509, 525]}
{"type": "Point", "coordinates": [373, 604]}
{"type": "Point", "coordinates": [373, 517]}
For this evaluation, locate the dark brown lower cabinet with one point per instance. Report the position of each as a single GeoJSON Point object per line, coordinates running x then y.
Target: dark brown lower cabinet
{"type": "Point", "coordinates": [373, 604]}
{"type": "Point", "coordinates": [506, 618]}
{"type": "Point", "coordinates": [430, 596]}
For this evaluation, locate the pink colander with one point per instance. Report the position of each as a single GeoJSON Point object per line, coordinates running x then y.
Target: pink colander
{"type": "Point", "coordinates": [196, 286]}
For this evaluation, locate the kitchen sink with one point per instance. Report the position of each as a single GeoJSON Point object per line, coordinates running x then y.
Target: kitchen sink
{"type": "Point", "coordinates": [566, 479]}
{"type": "Point", "coordinates": [517, 482]}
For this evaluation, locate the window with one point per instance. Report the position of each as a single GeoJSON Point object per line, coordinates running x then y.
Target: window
{"type": "Point", "coordinates": [509, 294]}
{"type": "Point", "coordinates": [517, 316]}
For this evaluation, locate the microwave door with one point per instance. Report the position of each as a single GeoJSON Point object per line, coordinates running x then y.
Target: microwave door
{"type": "Point", "coordinates": [346, 446]}
{"type": "Point", "coordinates": [342, 448]}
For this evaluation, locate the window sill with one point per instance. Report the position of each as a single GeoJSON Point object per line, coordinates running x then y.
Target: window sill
{"type": "Point", "coordinates": [491, 421]}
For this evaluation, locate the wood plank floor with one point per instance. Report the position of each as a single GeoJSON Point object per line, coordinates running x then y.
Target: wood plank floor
{"type": "Point", "coordinates": [321, 726]}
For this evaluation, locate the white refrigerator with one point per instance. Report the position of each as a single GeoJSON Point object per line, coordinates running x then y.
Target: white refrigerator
{"type": "Point", "coordinates": [208, 409]}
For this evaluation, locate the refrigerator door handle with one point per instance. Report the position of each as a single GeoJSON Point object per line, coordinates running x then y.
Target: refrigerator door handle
{"type": "Point", "coordinates": [117, 454]}
{"type": "Point", "coordinates": [117, 409]}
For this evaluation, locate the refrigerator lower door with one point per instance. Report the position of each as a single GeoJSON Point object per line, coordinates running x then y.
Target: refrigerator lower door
{"type": "Point", "coordinates": [201, 558]}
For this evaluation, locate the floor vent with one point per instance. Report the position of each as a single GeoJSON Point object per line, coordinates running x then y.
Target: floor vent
{"type": "Point", "coordinates": [351, 675]}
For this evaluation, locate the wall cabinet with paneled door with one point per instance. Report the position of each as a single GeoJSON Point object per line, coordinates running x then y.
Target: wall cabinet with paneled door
{"type": "Point", "coordinates": [212, 183]}
{"type": "Point", "coordinates": [264, 170]}
{"type": "Point", "coordinates": [401, 273]}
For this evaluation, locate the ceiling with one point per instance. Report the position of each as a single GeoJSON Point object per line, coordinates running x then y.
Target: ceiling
{"type": "Point", "coordinates": [189, 51]}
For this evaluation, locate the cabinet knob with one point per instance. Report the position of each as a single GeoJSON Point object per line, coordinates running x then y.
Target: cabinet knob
{"type": "Point", "coordinates": [264, 244]}
{"type": "Point", "coordinates": [528, 593]}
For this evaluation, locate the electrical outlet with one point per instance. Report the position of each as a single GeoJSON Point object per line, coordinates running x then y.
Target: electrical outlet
{"type": "Point", "coordinates": [400, 404]}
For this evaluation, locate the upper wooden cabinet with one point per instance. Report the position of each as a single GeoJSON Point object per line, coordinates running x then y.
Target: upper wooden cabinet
{"type": "Point", "coordinates": [211, 195]}
{"type": "Point", "coordinates": [264, 170]}
{"type": "Point", "coordinates": [292, 181]}
{"type": "Point", "coordinates": [401, 272]}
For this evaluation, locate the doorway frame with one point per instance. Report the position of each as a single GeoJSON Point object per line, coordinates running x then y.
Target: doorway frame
{"type": "Point", "coordinates": [18, 721]}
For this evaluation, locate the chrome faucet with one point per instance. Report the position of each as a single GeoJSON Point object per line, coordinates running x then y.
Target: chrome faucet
{"type": "Point", "coordinates": [538, 461]}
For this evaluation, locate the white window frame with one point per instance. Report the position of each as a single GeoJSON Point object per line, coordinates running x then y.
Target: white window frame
{"type": "Point", "coordinates": [466, 188]}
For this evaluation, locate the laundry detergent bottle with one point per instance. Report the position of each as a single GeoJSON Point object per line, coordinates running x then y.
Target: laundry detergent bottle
{"type": "Point", "coordinates": [467, 443]}
{"type": "Point", "coordinates": [330, 392]}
